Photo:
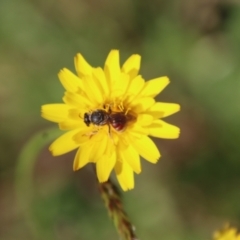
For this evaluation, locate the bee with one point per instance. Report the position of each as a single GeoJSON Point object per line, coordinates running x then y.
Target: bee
{"type": "Point", "coordinates": [100, 117]}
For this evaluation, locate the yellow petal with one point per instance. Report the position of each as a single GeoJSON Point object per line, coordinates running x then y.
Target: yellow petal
{"type": "Point", "coordinates": [77, 100]}
{"type": "Point", "coordinates": [130, 155]}
{"type": "Point", "coordinates": [112, 67]}
{"type": "Point", "coordinates": [146, 148]}
{"type": "Point", "coordinates": [100, 141]}
{"type": "Point", "coordinates": [135, 86]}
{"type": "Point", "coordinates": [132, 65]}
{"type": "Point", "coordinates": [162, 129]}
{"type": "Point", "coordinates": [144, 119]}
{"type": "Point", "coordinates": [161, 110]}
{"type": "Point", "coordinates": [119, 88]}
{"type": "Point", "coordinates": [85, 135]}
{"type": "Point", "coordinates": [104, 166]}
{"type": "Point", "coordinates": [124, 175]}
{"type": "Point", "coordinates": [99, 76]}
{"type": "Point", "coordinates": [55, 112]}
{"type": "Point", "coordinates": [83, 68]}
{"type": "Point", "coordinates": [138, 130]}
{"type": "Point", "coordinates": [64, 143]}
{"type": "Point", "coordinates": [76, 114]}
{"type": "Point", "coordinates": [140, 105]}
{"type": "Point", "coordinates": [72, 124]}
{"type": "Point", "coordinates": [153, 87]}
{"type": "Point", "coordinates": [93, 90]}
{"type": "Point", "coordinates": [69, 80]}
{"type": "Point", "coordinates": [82, 156]}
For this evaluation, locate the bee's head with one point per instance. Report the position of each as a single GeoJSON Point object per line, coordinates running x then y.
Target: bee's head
{"type": "Point", "coordinates": [86, 119]}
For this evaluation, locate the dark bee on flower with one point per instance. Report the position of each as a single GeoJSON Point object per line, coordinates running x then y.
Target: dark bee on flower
{"type": "Point", "coordinates": [100, 117]}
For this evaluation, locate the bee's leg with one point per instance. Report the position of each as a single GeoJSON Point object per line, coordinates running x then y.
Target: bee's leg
{"type": "Point", "coordinates": [107, 107]}
{"type": "Point", "coordinates": [92, 133]}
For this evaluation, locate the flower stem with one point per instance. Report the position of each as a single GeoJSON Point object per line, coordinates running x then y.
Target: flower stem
{"type": "Point", "coordinates": [112, 199]}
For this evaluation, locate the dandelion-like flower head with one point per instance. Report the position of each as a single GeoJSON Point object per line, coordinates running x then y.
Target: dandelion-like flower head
{"type": "Point", "coordinates": [108, 115]}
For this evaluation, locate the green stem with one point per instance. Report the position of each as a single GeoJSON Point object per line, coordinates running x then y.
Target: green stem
{"type": "Point", "coordinates": [112, 199]}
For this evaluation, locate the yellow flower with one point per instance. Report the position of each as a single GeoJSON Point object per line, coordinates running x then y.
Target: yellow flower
{"type": "Point", "coordinates": [228, 233]}
{"type": "Point", "coordinates": [108, 114]}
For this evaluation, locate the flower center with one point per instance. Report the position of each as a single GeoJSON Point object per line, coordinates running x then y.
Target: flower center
{"type": "Point", "coordinates": [113, 114]}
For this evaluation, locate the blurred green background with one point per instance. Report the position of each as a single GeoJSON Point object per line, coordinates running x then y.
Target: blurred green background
{"type": "Point", "coordinates": [194, 189]}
